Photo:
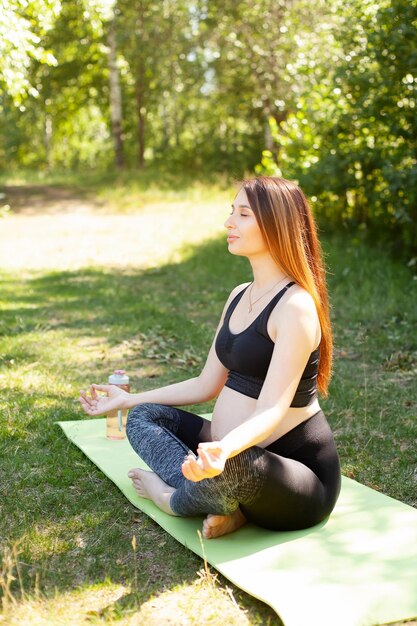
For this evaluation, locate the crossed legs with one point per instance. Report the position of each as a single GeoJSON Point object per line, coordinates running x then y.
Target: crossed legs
{"type": "Point", "coordinates": [267, 487]}
{"type": "Point", "coordinates": [149, 485]}
{"type": "Point", "coordinates": [162, 436]}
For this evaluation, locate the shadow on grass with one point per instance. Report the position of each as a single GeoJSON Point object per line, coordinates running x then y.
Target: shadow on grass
{"type": "Point", "coordinates": [121, 302]}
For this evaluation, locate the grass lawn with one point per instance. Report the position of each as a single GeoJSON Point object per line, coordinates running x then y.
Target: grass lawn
{"type": "Point", "coordinates": [80, 553]}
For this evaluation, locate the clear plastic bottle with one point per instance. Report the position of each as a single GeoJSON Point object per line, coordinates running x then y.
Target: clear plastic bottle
{"type": "Point", "coordinates": [116, 420]}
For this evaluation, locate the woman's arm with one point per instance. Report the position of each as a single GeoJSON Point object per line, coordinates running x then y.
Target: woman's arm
{"type": "Point", "coordinates": [191, 391]}
{"type": "Point", "coordinates": [195, 390]}
{"type": "Point", "coordinates": [296, 323]}
{"type": "Point", "coordinates": [202, 388]}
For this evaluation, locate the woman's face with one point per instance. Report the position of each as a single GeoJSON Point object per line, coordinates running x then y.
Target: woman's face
{"type": "Point", "coordinates": [244, 236]}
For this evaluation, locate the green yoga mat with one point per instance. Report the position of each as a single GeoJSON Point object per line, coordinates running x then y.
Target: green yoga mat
{"type": "Point", "coordinates": [359, 568]}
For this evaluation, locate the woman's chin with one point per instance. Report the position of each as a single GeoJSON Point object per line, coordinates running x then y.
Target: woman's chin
{"type": "Point", "coordinates": [233, 248]}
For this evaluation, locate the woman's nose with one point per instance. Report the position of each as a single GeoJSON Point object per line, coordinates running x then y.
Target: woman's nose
{"type": "Point", "coordinates": [228, 222]}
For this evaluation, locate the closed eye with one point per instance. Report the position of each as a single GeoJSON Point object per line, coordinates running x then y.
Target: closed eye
{"type": "Point", "coordinates": [242, 207]}
{"type": "Point", "coordinates": [241, 213]}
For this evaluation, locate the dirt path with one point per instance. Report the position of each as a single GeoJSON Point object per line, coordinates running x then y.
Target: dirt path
{"type": "Point", "coordinates": [48, 200]}
{"type": "Point", "coordinates": [62, 228]}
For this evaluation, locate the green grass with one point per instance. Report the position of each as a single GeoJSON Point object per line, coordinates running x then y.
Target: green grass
{"type": "Point", "coordinates": [74, 562]}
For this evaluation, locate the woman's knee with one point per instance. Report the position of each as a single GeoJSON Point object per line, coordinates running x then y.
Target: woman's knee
{"type": "Point", "coordinates": [139, 413]}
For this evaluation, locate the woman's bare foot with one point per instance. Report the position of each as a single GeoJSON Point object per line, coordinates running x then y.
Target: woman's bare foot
{"type": "Point", "coordinates": [150, 485]}
{"type": "Point", "coordinates": [218, 525]}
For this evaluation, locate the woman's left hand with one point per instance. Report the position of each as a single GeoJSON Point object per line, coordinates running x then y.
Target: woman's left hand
{"type": "Point", "coordinates": [210, 462]}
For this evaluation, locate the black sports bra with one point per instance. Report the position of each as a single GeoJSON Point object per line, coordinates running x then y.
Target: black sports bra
{"type": "Point", "coordinates": [247, 355]}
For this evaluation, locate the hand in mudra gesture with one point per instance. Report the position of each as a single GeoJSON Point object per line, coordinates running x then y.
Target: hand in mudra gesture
{"type": "Point", "coordinates": [96, 404]}
{"type": "Point", "coordinates": [210, 462]}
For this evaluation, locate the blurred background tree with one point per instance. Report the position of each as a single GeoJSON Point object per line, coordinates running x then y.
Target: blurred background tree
{"type": "Point", "coordinates": [352, 140]}
{"type": "Point", "coordinates": [322, 92]}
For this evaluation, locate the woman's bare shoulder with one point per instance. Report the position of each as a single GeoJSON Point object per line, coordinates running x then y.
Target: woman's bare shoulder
{"type": "Point", "coordinates": [299, 299]}
{"type": "Point", "coordinates": [295, 307]}
{"type": "Point", "coordinates": [235, 291]}
{"type": "Point", "coordinates": [238, 289]}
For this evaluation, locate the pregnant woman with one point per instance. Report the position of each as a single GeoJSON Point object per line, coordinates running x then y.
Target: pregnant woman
{"type": "Point", "coordinates": [268, 455]}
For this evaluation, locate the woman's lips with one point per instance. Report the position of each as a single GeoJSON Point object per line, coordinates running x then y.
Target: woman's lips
{"type": "Point", "coordinates": [231, 238]}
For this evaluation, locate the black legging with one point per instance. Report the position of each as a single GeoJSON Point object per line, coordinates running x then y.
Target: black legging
{"type": "Point", "coordinates": [292, 484]}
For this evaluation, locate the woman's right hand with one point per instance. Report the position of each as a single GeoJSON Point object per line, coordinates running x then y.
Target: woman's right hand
{"type": "Point", "coordinates": [95, 404]}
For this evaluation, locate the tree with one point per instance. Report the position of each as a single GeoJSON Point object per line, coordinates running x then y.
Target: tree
{"type": "Point", "coordinates": [21, 30]}
{"type": "Point", "coordinates": [352, 142]}
{"type": "Point", "coordinates": [155, 39]}
{"type": "Point", "coordinates": [115, 94]}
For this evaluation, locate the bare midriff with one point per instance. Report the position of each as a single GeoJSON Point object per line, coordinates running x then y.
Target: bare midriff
{"type": "Point", "coordinates": [233, 408]}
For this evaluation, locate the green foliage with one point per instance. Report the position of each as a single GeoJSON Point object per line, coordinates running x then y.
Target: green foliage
{"type": "Point", "coordinates": [352, 140]}
{"type": "Point", "coordinates": [199, 81]}
{"type": "Point", "coordinates": [323, 92]}
{"type": "Point", "coordinates": [23, 24]}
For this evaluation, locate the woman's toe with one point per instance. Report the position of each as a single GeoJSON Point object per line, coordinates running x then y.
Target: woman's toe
{"type": "Point", "coordinates": [134, 473]}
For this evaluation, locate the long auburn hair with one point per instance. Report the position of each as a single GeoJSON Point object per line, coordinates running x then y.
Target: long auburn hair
{"type": "Point", "coordinates": [288, 227]}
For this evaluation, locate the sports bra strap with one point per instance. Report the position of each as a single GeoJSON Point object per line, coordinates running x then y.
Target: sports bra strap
{"type": "Point", "coordinates": [234, 304]}
{"type": "Point", "coordinates": [266, 311]}
{"type": "Point", "coordinates": [274, 301]}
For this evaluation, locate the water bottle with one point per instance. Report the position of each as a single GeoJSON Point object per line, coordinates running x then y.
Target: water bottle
{"type": "Point", "coordinates": [116, 420]}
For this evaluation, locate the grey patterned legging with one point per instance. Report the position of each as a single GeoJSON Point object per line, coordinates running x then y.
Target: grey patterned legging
{"type": "Point", "coordinates": [163, 435]}
{"type": "Point", "coordinates": [293, 483]}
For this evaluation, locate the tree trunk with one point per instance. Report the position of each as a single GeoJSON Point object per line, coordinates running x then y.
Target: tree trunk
{"type": "Point", "coordinates": [141, 116]}
{"type": "Point", "coordinates": [269, 142]}
{"type": "Point", "coordinates": [115, 97]}
{"type": "Point", "coordinates": [48, 139]}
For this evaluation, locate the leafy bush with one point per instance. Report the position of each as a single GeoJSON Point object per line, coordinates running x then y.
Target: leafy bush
{"type": "Point", "coordinates": [351, 141]}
